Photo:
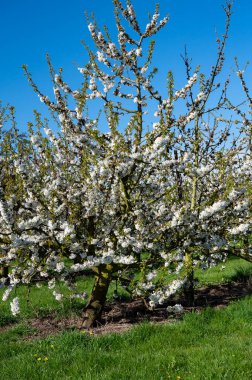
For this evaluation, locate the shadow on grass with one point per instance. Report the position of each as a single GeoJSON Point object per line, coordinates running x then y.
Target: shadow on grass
{"type": "Point", "coordinates": [6, 320]}
{"type": "Point", "coordinates": [242, 274]}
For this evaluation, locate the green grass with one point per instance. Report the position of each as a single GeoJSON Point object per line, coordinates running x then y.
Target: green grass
{"type": "Point", "coordinates": [39, 302]}
{"type": "Point", "coordinates": [234, 269]}
{"type": "Point", "coordinates": [215, 344]}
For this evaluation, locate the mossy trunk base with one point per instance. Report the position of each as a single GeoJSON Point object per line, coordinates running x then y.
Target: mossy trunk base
{"type": "Point", "coordinates": [189, 293]}
{"type": "Point", "coordinates": [189, 288]}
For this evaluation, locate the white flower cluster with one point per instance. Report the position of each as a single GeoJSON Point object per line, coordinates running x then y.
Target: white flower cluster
{"type": "Point", "coordinates": [182, 93]}
{"type": "Point", "coordinates": [160, 296]}
{"type": "Point", "coordinates": [177, 309]}
{"type": "Point", "coordinates": [15, 309]}
{"type": "Point", "coordinates": [240, 229]}
{"type": "Point", "coordinates": [214, 209]}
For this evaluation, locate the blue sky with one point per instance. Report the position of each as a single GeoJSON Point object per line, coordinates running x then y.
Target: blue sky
{"type": "Point", "coordinates": [29, 29]}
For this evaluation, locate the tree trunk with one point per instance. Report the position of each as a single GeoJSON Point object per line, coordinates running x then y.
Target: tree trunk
{"type": "Point", "coordinates": [4, 272]}
{"type": "Point", "coordinates": [94, 308]}
{"type": "Point", "coordinates": [189, 287]}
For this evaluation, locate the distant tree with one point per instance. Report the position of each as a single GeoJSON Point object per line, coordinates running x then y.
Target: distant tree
{"type": "Point", "coordinates": [137, 198]}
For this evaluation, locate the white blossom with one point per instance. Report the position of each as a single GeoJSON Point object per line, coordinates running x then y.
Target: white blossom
{"type": "Point", "coordinates": [15, 306]}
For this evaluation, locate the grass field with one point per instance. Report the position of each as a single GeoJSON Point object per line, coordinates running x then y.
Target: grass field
{"type": "Point", "coordinates": [214, 344]}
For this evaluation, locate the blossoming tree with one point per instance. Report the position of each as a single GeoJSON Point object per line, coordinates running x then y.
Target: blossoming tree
{"type": "Point", "coordinates": [136, 198]}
